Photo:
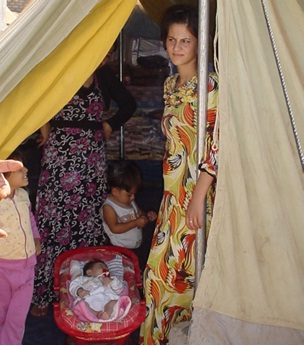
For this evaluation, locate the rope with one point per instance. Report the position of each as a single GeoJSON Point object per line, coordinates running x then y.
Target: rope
{"type": "Point", "coordinates": [295, 132]}
{"type": "Point", "coordinates": [216, 64]}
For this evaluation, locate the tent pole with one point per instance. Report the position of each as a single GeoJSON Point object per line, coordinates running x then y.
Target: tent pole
{"type": "Point", "coordinates": [121, 74]}
{"type": "Point", "coordinates": [203, 50]}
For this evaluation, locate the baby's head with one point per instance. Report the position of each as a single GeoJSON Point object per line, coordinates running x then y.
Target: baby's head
{"type": "Point", "coordinates": [95, 268]}
{"type": "Point", "coordinates": [124, 174]}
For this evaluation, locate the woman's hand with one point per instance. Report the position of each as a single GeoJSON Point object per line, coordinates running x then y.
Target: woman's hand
{"type": "Point", "coordinates": [151, 215]}
{"type": "Point", "coordinates": [3, 234]}
{"type": "Point", "coordinates": [44, 134]}
{"type": "Point", "coordinates": [37, 246]}
{"type": "Point", "coordinates": [107, 130]}
{"type": "Point", "coordinates": [195, 209]}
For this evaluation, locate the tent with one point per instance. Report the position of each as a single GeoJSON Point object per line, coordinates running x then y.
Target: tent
{"type": "Point", "coordinates": [251, 287]}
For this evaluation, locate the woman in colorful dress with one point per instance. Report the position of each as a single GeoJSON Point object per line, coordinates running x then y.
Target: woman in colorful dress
{"type": "Point", "coordinates": [169, 276]}
{"type": "Point", "coordinates": [73, 180]}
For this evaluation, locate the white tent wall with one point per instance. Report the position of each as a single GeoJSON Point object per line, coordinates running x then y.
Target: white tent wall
{"type": "Point", "coordinates": [2, 15]}
{"type": "Point", "coordinates": [34, 35]}
{"type": "Point", "coordinates": [251, 287]}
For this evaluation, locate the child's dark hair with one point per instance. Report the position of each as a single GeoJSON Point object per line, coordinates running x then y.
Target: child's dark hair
{"type": "Point", "coordinates": [15, 155]}
{"type": "Point", "coordinates": [89, 265]}
{"type": "Point", "coordinates": [179, 14]}
{"type": "Point", "coordinates": [124, 175]}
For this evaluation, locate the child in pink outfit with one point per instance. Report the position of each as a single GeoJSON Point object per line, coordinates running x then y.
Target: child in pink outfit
{"type": "Point", "coordinates": [19, 245]}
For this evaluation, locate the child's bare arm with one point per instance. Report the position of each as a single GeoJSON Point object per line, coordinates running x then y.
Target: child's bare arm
{"type": "Point", "coordinates": [37, 246]}
{"type": "Point", "coordinates": [110, 218]}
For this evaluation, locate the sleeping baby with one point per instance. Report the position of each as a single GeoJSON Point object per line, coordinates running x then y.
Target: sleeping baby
{"type": "Point", "coordinates": [101, 293]}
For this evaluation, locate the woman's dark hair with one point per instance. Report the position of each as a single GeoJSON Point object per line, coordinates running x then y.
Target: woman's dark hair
{"type": "Point", "coordinates": [124, 175]}
{"type": "Point", "coordinates": [179, 14]}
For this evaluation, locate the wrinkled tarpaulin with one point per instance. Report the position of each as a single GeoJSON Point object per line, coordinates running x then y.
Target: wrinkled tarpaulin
{"type": "Point", "coordinates": [251, 289]}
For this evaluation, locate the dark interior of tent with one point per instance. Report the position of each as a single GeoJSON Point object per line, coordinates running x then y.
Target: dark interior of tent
{"type": "Point", "coordinates": [142, 63]}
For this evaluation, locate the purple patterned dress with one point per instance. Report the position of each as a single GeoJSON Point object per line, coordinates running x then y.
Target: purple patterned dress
{"type": "Point", "coordinates": [72, 185]}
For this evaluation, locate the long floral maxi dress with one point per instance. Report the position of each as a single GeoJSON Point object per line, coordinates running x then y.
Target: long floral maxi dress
{"type": "Point", "coordinates": [72, 185]}
{"type": "Point", "coordinates": [170, 271]}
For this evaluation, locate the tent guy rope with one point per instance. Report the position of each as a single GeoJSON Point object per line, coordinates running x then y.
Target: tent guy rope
{"type": "Point", "coordinates": [278, 63]}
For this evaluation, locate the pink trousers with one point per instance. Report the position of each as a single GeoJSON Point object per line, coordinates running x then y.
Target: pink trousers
{"type": "Point", "coordinates": [16, 290]}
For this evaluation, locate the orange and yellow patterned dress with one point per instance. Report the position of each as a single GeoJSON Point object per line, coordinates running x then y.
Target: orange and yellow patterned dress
{"type": "Point", "coordinates": [169, 276]}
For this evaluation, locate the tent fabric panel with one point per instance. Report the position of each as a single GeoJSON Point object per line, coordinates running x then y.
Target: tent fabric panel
{"type": "Point", "coordinates": [225, 330]}
{"type": "Point", "coordinates": [287, 23]}
{"type": "Point", "coordinates": [34, 34]}
{"type": "Point", "coordinates": [52, 83]}
{"type": "Point", "coordinates": [254, 262]}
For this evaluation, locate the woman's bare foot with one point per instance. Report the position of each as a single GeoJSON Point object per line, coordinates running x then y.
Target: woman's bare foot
{"type": "Point", "coordinates": [39, 311]}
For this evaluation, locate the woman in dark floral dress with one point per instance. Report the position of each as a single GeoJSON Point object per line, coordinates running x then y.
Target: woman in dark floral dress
{"type": "Point", "coordinates": [73, 181]}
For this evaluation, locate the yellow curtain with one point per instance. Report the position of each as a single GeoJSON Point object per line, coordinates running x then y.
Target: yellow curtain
{"type": "Point", "coordinates": [52, 83]}
{"type": "Point", "coordinates": [36, 32]}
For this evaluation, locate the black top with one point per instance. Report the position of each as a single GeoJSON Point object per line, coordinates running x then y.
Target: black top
{"type": "Point", "coordinates": [113, 89]}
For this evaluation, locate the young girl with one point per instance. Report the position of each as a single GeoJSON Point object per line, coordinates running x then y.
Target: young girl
{"type": "Point", "coordinates": [122, 218]}
{"type": "Point", "coordinates": [18, 252]}
{"type": "Point", "coordinates": [170, 271]}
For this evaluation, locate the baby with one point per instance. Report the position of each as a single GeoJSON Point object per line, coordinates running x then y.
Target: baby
{"type": "Point", "coordinates": [100, 291]}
